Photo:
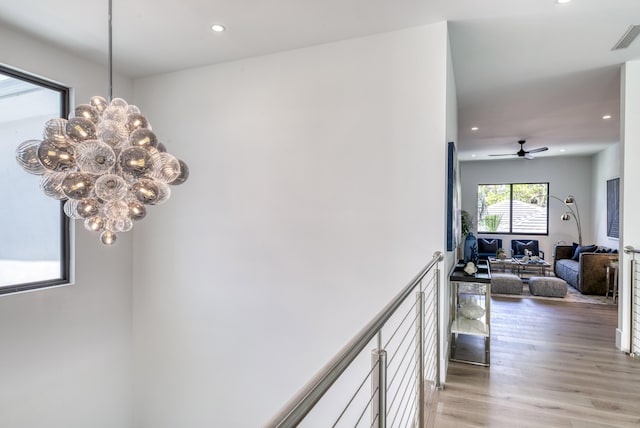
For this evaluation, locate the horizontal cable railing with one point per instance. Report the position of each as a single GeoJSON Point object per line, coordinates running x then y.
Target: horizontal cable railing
{"type": "Point", "coordinates": [395, 385]}
{"type": "Point", "coordinates": [634, 348]}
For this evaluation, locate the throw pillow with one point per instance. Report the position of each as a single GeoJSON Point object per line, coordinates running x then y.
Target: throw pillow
{"type": "Point", "coordinates": [589, 248]}
{"type": "Point", "coordinates": [487, 245]}
{"type": "Point", "coordinates": [583, 249]}
{"type": "Point", "coordinates": [521, 246]}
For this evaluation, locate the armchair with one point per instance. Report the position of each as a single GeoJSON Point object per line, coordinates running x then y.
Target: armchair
{"type": "Point", "coordinates": [488, 247]}
{"type": "Point", "coordinates": [519, 245]}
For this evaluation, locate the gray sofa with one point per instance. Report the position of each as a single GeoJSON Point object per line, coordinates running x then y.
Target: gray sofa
{"type": "Point", "coordinates": [588, 273]}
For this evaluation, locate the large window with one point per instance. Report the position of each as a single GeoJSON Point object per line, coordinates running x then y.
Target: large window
{"type": "Point", "coordinates": [34, 232]}
{"type": "Point", "coordinates": [520, 208]}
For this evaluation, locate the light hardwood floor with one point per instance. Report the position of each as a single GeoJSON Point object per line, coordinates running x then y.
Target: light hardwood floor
{"type": "Point", "coordinates": [553, 364]}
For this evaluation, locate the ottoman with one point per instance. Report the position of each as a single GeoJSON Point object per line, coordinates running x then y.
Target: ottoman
{"type": "Point", "coordinates": [506, 283]}
{"type": "Point", "coordinates": [547, 286]}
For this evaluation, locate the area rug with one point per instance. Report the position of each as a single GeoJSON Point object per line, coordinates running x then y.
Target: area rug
{"type": "Point", "coordinates": [573, 295]}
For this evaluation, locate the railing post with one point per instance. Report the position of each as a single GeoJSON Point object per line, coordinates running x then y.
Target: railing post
{"type": "Point", "coordinates": [420, 353]}
{"type": "Point", "coordinates": [633, 315]}
{"type": "Point", "coordinates": [375, 387]}
{"type": "Point", "coordinates": [379, 388]}
{"type": "Point", "coordinates": [437, 324]}
{"type": "Point", "coordinates": [382, 389]}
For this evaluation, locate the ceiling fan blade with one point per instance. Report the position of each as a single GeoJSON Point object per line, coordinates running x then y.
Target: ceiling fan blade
{"type": "Point", "coordinates": [538, 150]}
{"type": "Point", "coordinates": [528, 156]}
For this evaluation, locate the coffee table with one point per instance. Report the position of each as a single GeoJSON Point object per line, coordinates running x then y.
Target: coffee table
{"type": "Point", "coordinates": [539, 267]}
{"type": "Point", "coordinates": [501, 265]}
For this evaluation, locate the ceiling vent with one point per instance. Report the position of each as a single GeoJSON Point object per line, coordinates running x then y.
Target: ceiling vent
{"type": "Point", "coordinates": [627, 38]}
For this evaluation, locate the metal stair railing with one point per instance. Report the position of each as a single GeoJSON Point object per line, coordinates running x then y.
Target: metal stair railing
{"type": "Point", "coordinates": [403, 374]}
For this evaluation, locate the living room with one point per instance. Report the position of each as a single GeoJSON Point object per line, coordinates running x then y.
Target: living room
{"type": "Point", "coordinates": [584, 177]}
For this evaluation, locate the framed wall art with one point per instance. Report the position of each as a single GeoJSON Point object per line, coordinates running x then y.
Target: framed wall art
{"type": "Point", "coordinates": [453, 199]}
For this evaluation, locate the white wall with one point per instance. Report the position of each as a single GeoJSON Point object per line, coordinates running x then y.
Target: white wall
{"type": "Point", "coordinates": [65, 352]}
{"type": "Point", "coordinates": [606, 165]}
{"type": "Point", "coordinates": [630, 203]}
{"type": "Point", "coordinates": [450, 256]}
{"type": "Point", "coordinates": [317, 192]}
{"type": "Point", "coordinates": [566, 176]}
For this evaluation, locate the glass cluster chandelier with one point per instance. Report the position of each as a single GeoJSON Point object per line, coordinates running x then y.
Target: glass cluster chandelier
{"type": "Point", "coordinates": [105, 161]}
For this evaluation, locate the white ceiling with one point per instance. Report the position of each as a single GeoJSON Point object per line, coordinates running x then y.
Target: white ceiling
{"type": "Point", "coordinates": [525, 69]}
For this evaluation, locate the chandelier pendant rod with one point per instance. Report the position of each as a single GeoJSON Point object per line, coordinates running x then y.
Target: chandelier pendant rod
{"type": "Point", "coordinates": [110, 54]}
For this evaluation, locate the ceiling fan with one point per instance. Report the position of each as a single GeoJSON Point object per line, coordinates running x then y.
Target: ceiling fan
{"type": "Point", "coordinates": [522, 153]}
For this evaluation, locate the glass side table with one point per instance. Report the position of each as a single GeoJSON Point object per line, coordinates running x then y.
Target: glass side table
{"type": "Point", "coordinates": [471, 310]}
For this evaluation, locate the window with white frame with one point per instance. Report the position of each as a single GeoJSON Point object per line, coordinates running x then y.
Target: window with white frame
{"type": "Point", "coordinates": [34, 232]}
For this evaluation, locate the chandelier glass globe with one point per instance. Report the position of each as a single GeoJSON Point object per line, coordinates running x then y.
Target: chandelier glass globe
{"type": "Point", "coordinates": [106, 163]}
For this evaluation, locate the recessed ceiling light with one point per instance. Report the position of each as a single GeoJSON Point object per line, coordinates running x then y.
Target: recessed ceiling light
{"type": "Point", "coordinates": [473, 156]}
{"type": "Point", "coordinates": [475, 128]}
{"type": "Point", "coordinates": [218, 28]}
{"type": "Point", "coordinates": [562, 1]}
{"type": "Point", "coordinates": [562, 150]}
{"type": "Point", "coordinates": [606, 116]}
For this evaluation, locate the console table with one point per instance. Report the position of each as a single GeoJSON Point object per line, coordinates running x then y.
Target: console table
{"type": "Point", "coordinates": [470, 308]}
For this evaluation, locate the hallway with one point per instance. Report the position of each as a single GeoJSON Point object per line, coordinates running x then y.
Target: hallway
{"type": "Point", "coordinates": [553, 364]}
